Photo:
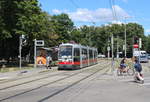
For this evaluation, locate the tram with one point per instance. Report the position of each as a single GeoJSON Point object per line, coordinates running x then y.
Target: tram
{"type": "Point", "coordinates": [76, 56]}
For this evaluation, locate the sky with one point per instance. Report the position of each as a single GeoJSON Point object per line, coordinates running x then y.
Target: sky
{"type": "Point", "coordinates": [98, 12]}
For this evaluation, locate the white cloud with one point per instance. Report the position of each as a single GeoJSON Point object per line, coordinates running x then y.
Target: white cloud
{"type": "Point", "coordinates": [98, 15]}
{"type": "Point", "coordinates": [148, 31]}
{"type": "Point", "coordinates": [56, 11]}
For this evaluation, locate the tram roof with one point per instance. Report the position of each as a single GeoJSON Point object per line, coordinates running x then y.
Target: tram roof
{"type": "Point", "coordinates": [77, 45]}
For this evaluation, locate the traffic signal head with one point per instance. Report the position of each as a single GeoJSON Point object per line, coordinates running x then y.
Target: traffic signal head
{"type": "Point", "coordinates": [136, 40]}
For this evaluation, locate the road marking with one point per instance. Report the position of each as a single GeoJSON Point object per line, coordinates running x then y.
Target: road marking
{"type": "Point", "coordinates": [146, 84]}
{"type": "Point", "coordinates": [3, 78]}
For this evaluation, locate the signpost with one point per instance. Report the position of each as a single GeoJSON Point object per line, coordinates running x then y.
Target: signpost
{"type": "Point", "coordinates": [21, 38]}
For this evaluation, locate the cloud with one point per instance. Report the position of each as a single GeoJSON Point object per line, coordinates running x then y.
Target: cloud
{"type": "Point", "coordinates": [98, 15]}
{"type": "Point", "coordinates": [55, 11]}
{"type": "Point", "coordinates": [148, 31]}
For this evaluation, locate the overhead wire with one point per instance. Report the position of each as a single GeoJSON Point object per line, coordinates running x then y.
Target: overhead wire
{"type": "Point", "coordinates": [113, 9]}
{"type": "Point", "coordinates": [115, 13]}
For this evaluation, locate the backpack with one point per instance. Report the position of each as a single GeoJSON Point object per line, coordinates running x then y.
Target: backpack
{"type": "Point", "coordinates": [138, 67]}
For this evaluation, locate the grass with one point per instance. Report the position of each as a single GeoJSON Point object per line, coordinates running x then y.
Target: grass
{"type": "Point", "coordinates": [10, 69]}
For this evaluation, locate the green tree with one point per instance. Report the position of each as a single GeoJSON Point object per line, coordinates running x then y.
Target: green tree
{"type": "Point", "coordinates": [21, 17]}
{"type": "Point", "coordinates": [62, 27]}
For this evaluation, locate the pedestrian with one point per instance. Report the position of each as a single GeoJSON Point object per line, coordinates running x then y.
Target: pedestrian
{"type": "Point", "coordinates": [48, 62]}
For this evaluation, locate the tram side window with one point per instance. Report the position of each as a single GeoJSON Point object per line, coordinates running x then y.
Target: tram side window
{"type": "Point", "coordinates": [76, 54]}
{"type": "Point", "coordinates": [84, 54]}
{"type": "Point", "coordinates": [95, 54]}
{"type": "Point", "coordinates": [91, 54]}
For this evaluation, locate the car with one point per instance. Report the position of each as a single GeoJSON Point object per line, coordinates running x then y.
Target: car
{"type": "Point", "coordinates": [148, 56]}
{"type": "Point", "coordinates": [144, 58]}
{"type": "Point", "coordinates": [101, 56]}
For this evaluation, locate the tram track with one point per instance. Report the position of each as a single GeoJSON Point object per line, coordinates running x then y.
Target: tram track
{"type": "Point", "coordinates": [13, 80]}
{"type": "Point", "coordinates": [49, 83]}
{"type": "Point", "coordinates": [25, 77]}
{"type": "Point", "coordinates": [69, 86]}
{"type": "Point", "coordinates": [17, 79]}
{"type": "Point", "coordinates": [26, 82]}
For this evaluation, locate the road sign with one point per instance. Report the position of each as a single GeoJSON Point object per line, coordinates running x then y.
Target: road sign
{"type": "Point", "coordinates": [39, 42]}
{"type": "Point", "coordinates": [140, 43]}
{"type": "Point", "coordinates": [108, 48]}
{"type": "Point", "coordinates": [135, 46]}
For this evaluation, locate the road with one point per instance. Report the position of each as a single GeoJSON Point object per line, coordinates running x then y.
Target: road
{"type": "Point", "coordinates": [93, 84]}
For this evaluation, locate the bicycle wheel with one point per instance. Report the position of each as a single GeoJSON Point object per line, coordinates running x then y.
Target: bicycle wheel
{"type": "Point", "coordinates": [130, 72]}
{"type": "Point", "coordinates": [119, 73]}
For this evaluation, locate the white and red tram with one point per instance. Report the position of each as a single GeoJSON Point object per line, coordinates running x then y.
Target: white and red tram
{"type": "Point", "coordinates": [75, 56]}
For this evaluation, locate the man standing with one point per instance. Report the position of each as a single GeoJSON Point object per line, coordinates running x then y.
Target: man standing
{"type": "Point", "coordinates": [48, 62]}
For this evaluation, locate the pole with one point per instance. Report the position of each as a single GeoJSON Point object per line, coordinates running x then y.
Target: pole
{"type": "Point", "coordinates": [140, 46]}
{"type": "Point", "coordinates": [34, 53]}
{"type": "Point", "coordinates": [20, 48]}
{"type": "Point", "coordinates": [117, 47]}
{"type": "Point", "coordinates": [112, 46]}
{"type": "Point", "coordinates": [108, 49]}
{"type": "Point", "coordinates": [112, 53]}
{"type": "Point", "coordinates": [125, 35]}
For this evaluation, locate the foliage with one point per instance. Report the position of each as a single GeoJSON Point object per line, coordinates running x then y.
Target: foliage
{"type": "Point", "coordinates": [26, 17]}
{"type": "Point", "coordinates": [62, 27]}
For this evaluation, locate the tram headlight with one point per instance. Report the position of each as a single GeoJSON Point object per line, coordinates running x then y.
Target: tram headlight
{"type": "Point", "coordinates": [70, 60]}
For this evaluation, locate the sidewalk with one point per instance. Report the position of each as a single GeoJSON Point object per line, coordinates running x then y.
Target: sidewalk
{"type": "Point", "coordinates": [24, 72]}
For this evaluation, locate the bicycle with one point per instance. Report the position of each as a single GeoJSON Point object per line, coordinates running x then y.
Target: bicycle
{"type": "Point", "coordinates": [129, 71]}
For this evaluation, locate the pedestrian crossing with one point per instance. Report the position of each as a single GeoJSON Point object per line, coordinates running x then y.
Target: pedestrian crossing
{"type": "Point", "coordinates": [130, 80]}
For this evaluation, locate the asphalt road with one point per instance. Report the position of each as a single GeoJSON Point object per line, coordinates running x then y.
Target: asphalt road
{"type": "Point", "coordinates": [93, 84]}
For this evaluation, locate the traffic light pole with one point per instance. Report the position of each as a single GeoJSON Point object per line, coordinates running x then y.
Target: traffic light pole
{"type": "Point", "coordinates": [20, 48]}
{"type": "Point", "coordinates": [125, 35]}
{"type": "Point", "coordinates": [34, 53]}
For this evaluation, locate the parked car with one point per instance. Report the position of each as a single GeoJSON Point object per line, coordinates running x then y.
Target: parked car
{"type": "Point", "coordinates": [148, 56]}
{"type": "Point", "coordinates": [144, 58]}
{"type": "Point", "coordinates": [101, 56]}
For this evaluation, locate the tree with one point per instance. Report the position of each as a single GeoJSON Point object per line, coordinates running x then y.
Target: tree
{"type": "Point", "coordinates": [62, 27]}
{"type": "Point", "coordinates": [21, 17]}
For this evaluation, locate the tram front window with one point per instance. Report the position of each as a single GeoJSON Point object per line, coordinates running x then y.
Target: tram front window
{"type": "Point", "coordinates": [65, 51]}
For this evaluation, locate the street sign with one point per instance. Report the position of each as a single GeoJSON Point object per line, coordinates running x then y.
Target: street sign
{"type": "Point", "coordinates": [123, 47]}
{"type": "Point", "coordinates": [39, 42]}
{"type": "Point", "coordinates": [135, 46]}
{"type": "Point", "coordinates": [140, 43]}
{"type": "Point", "coordinates": [108, 48]}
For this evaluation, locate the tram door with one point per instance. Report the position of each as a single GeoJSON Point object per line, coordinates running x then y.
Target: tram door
{"type": "Point", "coordinates": [76, 57]}
{"type": "Point", "coordinates": [84, 57]}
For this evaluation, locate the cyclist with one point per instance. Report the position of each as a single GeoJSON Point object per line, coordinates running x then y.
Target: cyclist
{"type": "Point", "coordinates": [138, 75]}
{"type": "Point", "coordinates": [123, 63]}
{"type": "Point", "coordinates": [137, 66]}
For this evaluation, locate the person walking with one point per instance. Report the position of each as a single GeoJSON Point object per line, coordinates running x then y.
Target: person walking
{"type": "Point", "coordinates": [48, 62]}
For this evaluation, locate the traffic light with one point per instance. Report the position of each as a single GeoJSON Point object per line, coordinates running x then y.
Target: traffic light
{"type": "Point", "coordinates": [136, 40]}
